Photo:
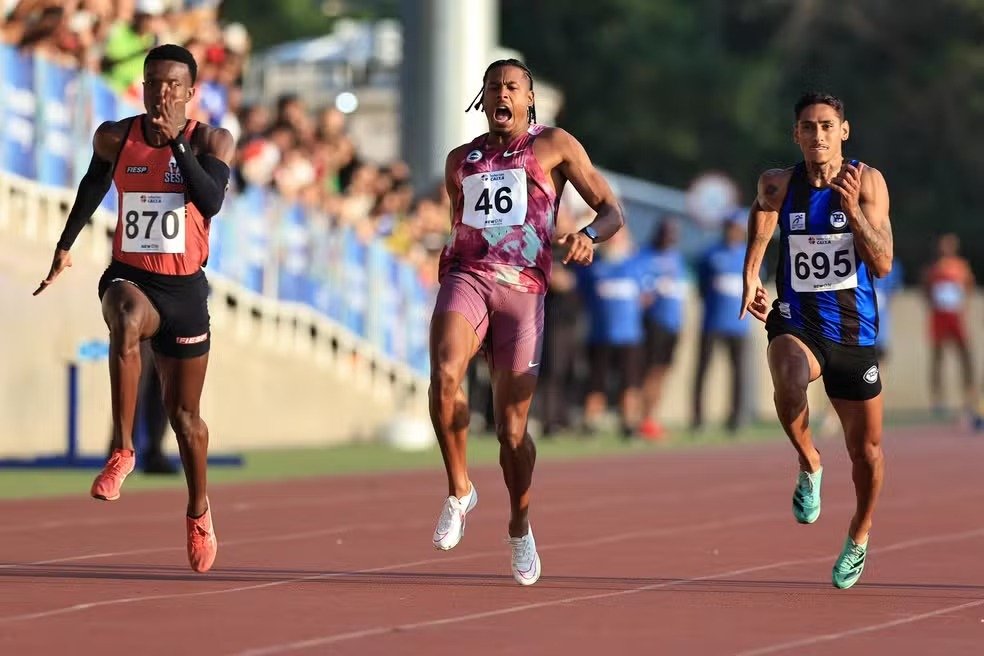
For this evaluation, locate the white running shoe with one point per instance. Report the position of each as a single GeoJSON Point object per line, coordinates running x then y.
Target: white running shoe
{"type": "Point", "coordinates": [525, 559]}
{"type": "Point", "coordinates": [451, 524]}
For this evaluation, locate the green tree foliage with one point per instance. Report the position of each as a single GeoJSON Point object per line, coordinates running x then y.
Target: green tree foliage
{"type": "Point", "coordinates": [274, 22]}
{"type": "Point", "coordinates": [664, 90]}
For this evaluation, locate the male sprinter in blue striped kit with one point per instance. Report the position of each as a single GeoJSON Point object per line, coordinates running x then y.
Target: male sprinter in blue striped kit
{"type": "Point", "coordinates": [835, 235]}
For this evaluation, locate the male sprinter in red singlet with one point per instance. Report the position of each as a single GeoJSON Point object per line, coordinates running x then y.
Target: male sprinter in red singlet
{"type": "Point", "coordinates": [505, 187]}
{"type": "Point", "coordinates": [948, 285]}
{"type": "Point", "coordinates": [171, 174]}
{"type": "Point", "coordinates": [835, 236]}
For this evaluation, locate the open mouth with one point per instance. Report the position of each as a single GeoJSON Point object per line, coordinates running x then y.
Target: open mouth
{"type": "Point", "coordinates": [502, 114]}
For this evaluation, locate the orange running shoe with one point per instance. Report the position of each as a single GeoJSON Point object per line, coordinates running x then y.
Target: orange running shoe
{"type": "Point", "coordinates": [109, 481]}
{"type": "Point", "coordinates": [202, 545]}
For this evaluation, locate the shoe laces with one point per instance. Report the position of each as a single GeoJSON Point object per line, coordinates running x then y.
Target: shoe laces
{"type": "Point", "coordinates": [853, 556]}
{"type": "Point", "coordinates": [447, 515]}
{"type": "Point", "coordinates": [199, 534]}
{"type": "Point", "coordinates": [522, 549]}
{"type": "Point", "coordinates": [857, 552]}
{"type": "Point", "coordinates": [115, 466]}
{"type": "Point", "coordinates": [805, 483]}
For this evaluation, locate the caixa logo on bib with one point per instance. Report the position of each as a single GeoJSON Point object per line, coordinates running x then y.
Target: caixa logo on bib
{"type": "Point", "coordinates": [838, 220]}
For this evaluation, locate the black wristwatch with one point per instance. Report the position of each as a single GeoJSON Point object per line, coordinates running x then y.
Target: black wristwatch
{"type": "Point", "coordinates": [590, 233]}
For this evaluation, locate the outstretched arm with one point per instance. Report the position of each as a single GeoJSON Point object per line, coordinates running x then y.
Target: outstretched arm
{"type": "Point", "coordinates": [92, 189]}
{"type": "Point", "coordinates": [762, 220]}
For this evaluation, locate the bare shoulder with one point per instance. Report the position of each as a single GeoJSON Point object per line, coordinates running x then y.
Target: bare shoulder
{"type": "Point", "coordinates": [217, 142]}
{"type": "Point", "coordinates": [109, 137]}
{"type": "Point", "coordinates": [556, 147]}
{"type": "Point", "coordinates": [558, 139]}
{"type": "Point", "coordinates": [455, 157]}
{"type": "Point", "coordinates": [772, 186]}
{"type": "Point", "coordinates": [458, 153]}
{"type": "Point", "coordinates": [872, 176]}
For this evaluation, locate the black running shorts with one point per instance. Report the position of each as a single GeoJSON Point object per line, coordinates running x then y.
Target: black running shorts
{"type": "Point", "coordinates": [181, 302]}
{"type": "Point", "coordinates": [849, 372]}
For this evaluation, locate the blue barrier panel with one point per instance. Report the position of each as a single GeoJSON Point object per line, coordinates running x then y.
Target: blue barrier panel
{"type": "Point", "coordinates": [19, 109]}
{"type": "Point", "coordinates": [57, 93]}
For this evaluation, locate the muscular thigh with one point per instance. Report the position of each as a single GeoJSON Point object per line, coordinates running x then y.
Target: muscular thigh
{"type": "Point", "coordinates": [512, 394]}
{"type": "Point", "coordinates": [124, 302]}
{"type": "Point", "coordinates": [515, 339]}
{"type": "Point", "coordinates": [459, 324]}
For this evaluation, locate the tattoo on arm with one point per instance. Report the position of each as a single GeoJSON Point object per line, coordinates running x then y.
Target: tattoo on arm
{"type": "Point", "coordinates": [876, 242]}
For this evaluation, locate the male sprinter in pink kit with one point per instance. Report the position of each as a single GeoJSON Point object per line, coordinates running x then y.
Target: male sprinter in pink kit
{"type": "Point", "coordinates": [505, 187]}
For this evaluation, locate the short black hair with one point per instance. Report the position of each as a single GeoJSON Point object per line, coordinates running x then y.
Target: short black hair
{"type": "Point", "coordinates": [818, 98]}
{"type": "Point", "coordinates": [174, 53]}
{"type": "Point", "coordinates": [477, 102]}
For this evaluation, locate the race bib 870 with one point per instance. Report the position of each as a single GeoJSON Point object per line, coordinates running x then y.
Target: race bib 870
{"type": "Point", "coordinates": [823, 263]}
{"type": "Point", "coordinates": [153, 222]}
{"type": "Point", "coordinates": [494, 199]}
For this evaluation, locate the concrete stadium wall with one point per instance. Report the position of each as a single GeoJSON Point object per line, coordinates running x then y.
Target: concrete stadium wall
{"type": "Point", "coordinates": [269, 383]}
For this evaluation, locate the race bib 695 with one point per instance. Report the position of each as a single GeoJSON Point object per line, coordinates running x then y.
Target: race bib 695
{"type": "Point", "coordinates": [823, 263]}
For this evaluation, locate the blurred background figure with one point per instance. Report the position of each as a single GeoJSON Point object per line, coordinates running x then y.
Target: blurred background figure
{"type": "Point", "coordinates": [719, 279]}
{"type": "Point", "coordinates": [611, 289]}
{"type": "Point", "coordinates": [557, 394]}
{"type": "Point", "coordinates": [886, 289]}
{"type": "Point", "coordinates": [948, 284]}
{"type": "Point", "coordinates": [664, 279]}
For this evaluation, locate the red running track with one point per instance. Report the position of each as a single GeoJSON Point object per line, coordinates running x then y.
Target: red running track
{"type": "Point", "coordinates": [676, 552]}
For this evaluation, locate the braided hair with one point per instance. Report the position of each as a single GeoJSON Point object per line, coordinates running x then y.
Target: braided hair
{"type": "Point", "coordinates": [477, 103]}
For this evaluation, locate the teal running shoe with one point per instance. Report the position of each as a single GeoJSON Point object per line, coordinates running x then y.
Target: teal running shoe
{"type": "Point", "coordinates": [806, 497]}
{"type": "Point", "coordinates": [850, 564]}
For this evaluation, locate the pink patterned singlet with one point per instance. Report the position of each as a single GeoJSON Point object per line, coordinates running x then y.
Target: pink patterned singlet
{"type": "Point", "coordinates": [505, 216]}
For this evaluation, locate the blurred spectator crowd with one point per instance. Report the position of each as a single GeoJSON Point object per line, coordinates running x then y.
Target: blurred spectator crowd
{"type": "Point", "coordinates": [304, 156]}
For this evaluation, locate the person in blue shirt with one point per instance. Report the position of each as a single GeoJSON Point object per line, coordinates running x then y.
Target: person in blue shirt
{"type": "Point", "coordinates": [719, 280]}
{"type": "Point", "coordinates": [664, 284]}
{"type": "Point", "coordinates": [611, 290]}
{"type": "Point", "coordinates": [885, 290]}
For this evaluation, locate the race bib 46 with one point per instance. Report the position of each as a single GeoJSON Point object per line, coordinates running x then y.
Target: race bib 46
{"type": "Point", "coordinates": [495, 199]}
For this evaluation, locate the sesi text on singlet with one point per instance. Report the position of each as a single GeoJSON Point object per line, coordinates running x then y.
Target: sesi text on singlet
{"type": "Point", "coordinates": [504, 221]}
{"type": "Point", "coordinates": [158, 229]}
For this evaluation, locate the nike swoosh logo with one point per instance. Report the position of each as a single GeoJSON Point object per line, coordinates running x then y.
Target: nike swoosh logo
{"type": "Point", "coordinates": [533, 364]}
{"type": "Point", "coordinates": [510, 154]}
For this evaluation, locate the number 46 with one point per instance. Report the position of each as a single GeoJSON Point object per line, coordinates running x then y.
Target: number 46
{"type": "Point", "coordinates": [503, 202]}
